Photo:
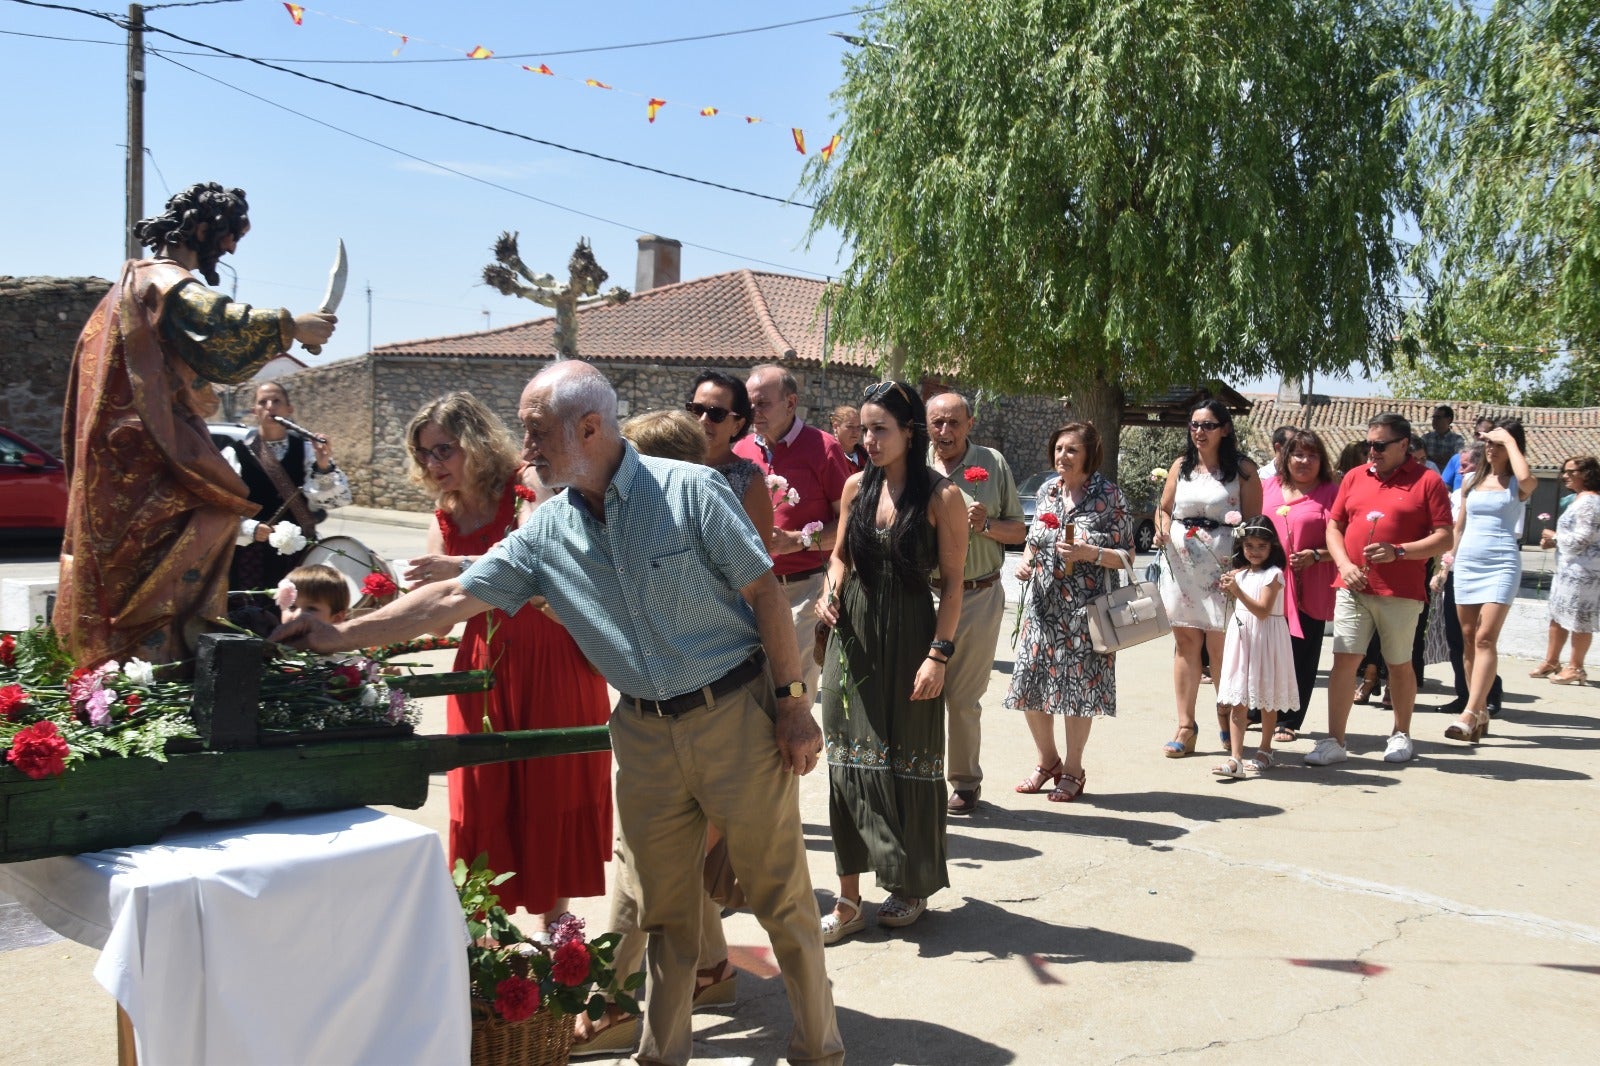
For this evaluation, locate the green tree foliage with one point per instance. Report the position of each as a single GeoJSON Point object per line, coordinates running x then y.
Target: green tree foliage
{"type": "Point", "coordinates": [1507, 159]}
{"type": "Point", "coordinates": [1092, 196]}
{"type": "Point", "coordinates": [1144, 450]}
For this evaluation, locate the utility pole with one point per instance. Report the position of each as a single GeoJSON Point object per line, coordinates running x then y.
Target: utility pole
{"type": "Point", "coordinates": [135, 175]}
{"type": "Point", "coordinates": [369, 318]}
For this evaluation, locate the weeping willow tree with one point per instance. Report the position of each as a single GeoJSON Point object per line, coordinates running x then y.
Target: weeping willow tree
{"type": "Point", "coordinates": [1100, 197]}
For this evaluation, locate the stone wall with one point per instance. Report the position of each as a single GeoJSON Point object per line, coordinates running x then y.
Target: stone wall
{"type": "Point", "coordinates": [365, 404]}
{"type": "Point", "coordinates": [40, 319]}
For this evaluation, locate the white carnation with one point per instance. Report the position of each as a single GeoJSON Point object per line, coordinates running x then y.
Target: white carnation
{"type": "Point", "coordinates": [139, 672]}
{"type": "Point", "coordinates": [369, 696]}
{"type": "Point", "coordinates": [287, 538]}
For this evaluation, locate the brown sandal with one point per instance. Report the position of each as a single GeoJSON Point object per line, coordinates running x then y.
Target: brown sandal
{"type": "Point", "coordinates": [716, 986]}
{"type": "Point", "coordinates": [1035, 781]}
{"type": "Point", "coordinates": [1071, 790]}
{"type": "Point", "coordinates": [1545, 669]}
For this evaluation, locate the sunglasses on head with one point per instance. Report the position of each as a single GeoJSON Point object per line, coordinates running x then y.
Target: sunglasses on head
{"type": "Point", "coordinates": [1208, 427]}
{"type": "Point", "coordinates": [717, 414]}
{"type": "Point", "coordinates": [874, 393]}
{"type": "Point", "coordinates": [439, 453]}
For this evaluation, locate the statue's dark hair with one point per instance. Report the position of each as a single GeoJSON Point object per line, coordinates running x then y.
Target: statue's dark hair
{"type": "Point", "coordinates": [223, 212]}
{"type": "Point", "coordinates": [907, 553]}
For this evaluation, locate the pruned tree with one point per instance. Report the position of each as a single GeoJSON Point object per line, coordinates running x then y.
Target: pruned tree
{"type": "Point", "coordinates": [1506, 157]}
{"type": "Point", "coordinates": [1108, 196]}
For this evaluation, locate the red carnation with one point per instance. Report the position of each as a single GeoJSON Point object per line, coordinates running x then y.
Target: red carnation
{"type": "Point", "coordinates": [131, 701]}
{"type": "Point", "coordinates": [976, 474]}
{"type": "Point", "coordinates": [8, 650]}
{"type": "Point", "coordinates": [1050, 520]}
{"type": "Point", "coordinates": [11, 700]}
{"type": "Point", "coordinates": [516, 998]}
{"type": "Point", "coordinates": [571, 964]}
{"type": "Point", "coordinates": [525, 493]}
{"type": "Point", "coordinates": [39, 751]}
{"type": "Point", "coordinates": [378, 586]}
{"type": "Point", "coordinates": [346, 675]}
{"type": "Point", "coordinates": [1193, 531]}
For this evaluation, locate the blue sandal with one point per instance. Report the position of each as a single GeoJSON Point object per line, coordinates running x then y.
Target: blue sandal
{"type": "Point", "coordinates": [1177, 749]}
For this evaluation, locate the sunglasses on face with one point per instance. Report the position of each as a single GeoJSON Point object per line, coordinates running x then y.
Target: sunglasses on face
{"type": "Point", "coordinates": [1205, 427]}
{"type": "Point", "coordinates": [439, 453]}
{"type": "Point", "coordinates": [1381, 445]}
{"type": "Point", "coordinates": [717, 414]}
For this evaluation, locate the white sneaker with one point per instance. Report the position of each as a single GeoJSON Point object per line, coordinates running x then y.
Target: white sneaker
{"type": "Point", "coordinates": [1399, 749]}
{"type": "Point", "coordinates": [1327, 752]}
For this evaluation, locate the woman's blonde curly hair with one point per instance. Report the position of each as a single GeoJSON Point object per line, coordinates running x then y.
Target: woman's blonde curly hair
{"type": "Point", "coordinates": [491, 450]}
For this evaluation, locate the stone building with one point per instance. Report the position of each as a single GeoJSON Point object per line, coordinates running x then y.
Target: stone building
{"type": "Point", "coordinates": [650, 348]}
{"type": "Point", "coordinates": [40, 319]}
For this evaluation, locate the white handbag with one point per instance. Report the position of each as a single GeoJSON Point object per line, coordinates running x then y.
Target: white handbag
{"type": "Point", "coordinates": [1128, 615]}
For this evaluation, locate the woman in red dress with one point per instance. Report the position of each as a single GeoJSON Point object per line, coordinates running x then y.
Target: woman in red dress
{"type": "Point", "coordinates": [549, 820]}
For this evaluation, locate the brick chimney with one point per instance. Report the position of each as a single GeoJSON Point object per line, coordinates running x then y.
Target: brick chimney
{"type": "Point", "coordinates": [660, 263]}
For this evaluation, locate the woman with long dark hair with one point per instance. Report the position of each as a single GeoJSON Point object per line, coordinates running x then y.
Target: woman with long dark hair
{"type": "Point", "coordinates": [1207, 484]}
{"type": "Point", "coordinates": [883, 676]}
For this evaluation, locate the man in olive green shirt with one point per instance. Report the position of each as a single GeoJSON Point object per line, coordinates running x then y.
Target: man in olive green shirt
{"type": "Point", "coordinates": [994, 516]}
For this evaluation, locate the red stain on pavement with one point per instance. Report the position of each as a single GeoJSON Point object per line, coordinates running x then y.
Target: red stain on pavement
{"type": "Point", "coordinates": [1365, 969]}
{"type": "Point", "coordinates": [755, 961]}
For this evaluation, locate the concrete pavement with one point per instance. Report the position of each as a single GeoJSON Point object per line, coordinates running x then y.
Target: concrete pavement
{"type": "Point", "coordinates": [1429, 912]}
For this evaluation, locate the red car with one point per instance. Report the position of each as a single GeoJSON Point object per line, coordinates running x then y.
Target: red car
{"type": "Point", "coordinates": [33, 489]}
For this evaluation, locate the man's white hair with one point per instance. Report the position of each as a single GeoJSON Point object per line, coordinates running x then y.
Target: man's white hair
{"type": "Point", "coordinates": [578, 389]}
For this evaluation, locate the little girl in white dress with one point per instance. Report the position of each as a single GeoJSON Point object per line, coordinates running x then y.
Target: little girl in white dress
{"type": "Point", "coordinates": [1257, 660]}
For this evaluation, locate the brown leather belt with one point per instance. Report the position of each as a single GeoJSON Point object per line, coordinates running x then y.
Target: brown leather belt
{"type": "Point", "coordinates": [692, 701]}
{"type": "Point", "coordinates": [973, 585]}
{"type": "Point", "coordinates": [801, 575]}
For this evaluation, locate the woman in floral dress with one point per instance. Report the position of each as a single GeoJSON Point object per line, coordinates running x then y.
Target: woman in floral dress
{"type": "Point", "coordinates": [1058, 673]}
{"type": "Point", "coordinates": [1208, 483]}
{"type": "Point", "coordinates": [1575, 591]}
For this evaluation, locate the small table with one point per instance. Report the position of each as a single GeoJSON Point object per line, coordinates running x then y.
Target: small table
{"type": "Point", "coordinates": [322, 938]}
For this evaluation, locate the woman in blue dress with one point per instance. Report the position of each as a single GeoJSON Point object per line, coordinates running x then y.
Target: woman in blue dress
{"type": "Point", "coordinates": [1487, 564]}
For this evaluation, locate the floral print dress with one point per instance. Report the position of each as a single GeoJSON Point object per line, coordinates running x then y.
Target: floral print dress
{"type": "Point", "coordinates": [1575, 592]}
{"type": "Point", "coordinates": [1195, 557]}
{"type": "Point", "coordinates": [1057, 669]}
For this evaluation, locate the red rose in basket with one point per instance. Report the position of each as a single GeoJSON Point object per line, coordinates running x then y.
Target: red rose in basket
{"type": "Point", "coordinates": [975, 474]}
{"type": "Point", "coordinates": [516, 998]}
{"type": "Point", "coordinates": [378, 586]}
{"type": "Point", "coordinates": [39, 751]}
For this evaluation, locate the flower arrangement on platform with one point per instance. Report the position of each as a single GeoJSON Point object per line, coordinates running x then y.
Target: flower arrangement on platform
{"type": "Point", "coordinates": [516, 976]}
{"type": "Point", "coordinates": [55, 713]}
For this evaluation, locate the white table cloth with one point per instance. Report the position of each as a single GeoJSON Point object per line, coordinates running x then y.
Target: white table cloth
{"type": "Point", "coordinates": [330, 938]}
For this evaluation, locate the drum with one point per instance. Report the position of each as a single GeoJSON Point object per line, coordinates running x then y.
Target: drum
{"type": "Point", "coordinates": [354, 561]}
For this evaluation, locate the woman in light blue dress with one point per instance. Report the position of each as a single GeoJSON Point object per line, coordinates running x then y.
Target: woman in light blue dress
{"type": "Point", "coordinates": [1487, 564]}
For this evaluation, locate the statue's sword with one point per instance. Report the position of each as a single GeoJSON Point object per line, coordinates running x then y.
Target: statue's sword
{"type": "Point", "coordinates": [335, 292]}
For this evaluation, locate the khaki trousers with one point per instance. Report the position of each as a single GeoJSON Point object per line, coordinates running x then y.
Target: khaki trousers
{"type": "Point", "coordinates": [803, 597]}
{"type": "Point", "coordinates": [967, 678]}
{"type": "Point", "coordinates": [629, 954]}
{"type": "Point", "coordinates": [718, 764]}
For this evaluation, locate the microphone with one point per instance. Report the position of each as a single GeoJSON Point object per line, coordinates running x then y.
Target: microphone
{"type": "Point", "coordinates": [299, 431]}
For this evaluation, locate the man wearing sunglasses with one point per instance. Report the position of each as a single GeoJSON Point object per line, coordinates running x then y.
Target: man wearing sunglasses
{"type": "Point", "coordinates": [1390, 517]}
{"type": "Point", "coordinates": [814, 465]}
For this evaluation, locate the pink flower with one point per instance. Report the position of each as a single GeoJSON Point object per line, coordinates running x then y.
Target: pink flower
{"type": "Point", "coordinates": [1374, 516]}
{"type": "Point", "coordinates": [284, 597]}
{"type": "Point", "coordinates": [777, 484]}
{"type": "Point", "coordinates": [82, 684]}
{"type": "Point", "coordinates": [808, 533]}
{"type": "Point", "coordinates": [1232, 518]}
{"type": "Point", "coordinates": [1545, 517]}
{"type": "Point", "coordinates": [100, 707]}
{"type": "Point", "coordinates": [975, 474]}
{"type": "Point", "coordinates": [516, 998]}
{"type": "Point", "coordinates": [791, 497]}
{"type": "Point", "coordinates": [397, 705]}
{"type": "Point", "coordinates": [566, 929]}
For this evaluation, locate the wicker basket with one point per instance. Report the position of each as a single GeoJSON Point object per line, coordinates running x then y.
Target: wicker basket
{"type": "Point", "coordinates": [545, 1039]}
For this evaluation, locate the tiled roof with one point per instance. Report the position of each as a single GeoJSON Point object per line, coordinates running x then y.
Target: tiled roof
{"type": "Point", "coordinates": [741, 317]}
{"type": "Point", "coordinates": [1554, 433]}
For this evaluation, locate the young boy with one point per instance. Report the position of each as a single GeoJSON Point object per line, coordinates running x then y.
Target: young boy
{"type": "Point", "coordinates": [318, 591]}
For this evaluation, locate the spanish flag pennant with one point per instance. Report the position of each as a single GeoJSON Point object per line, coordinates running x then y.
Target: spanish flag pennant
{"type": "Point", "coordinates": [403, 40]}
{"type": "Point", "coordinates": [751, 119]}
{"type": "Point", "coordinates": [596, 84]}
{"type": "Point", "coordinates": [799, 140]}
{"type": "Point", "coordinates": [296, 12]}
{"type": "Point", "coordinates": [708, 111]}
{"type": "Point", "coordinates": [479, 52]}
{"type": "Point", "coordinates": [653, 106]}
{"type": "Point", "coordinates": [827, 150]}
{"type": "Point", "coordinates": [540, 69]}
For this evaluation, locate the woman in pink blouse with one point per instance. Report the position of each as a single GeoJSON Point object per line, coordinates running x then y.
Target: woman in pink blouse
{"type": "Point", "coordinates": [1297, 500]}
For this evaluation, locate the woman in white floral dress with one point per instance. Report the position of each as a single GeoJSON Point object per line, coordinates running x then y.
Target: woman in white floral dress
{"type": "Point", "coordinates": [1210, 482]}
{"type": "Point", "coordinates": [1575, 592]}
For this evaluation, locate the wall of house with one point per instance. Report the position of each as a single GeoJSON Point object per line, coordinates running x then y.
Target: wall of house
{"type": "Point", "coordinates": [40, 319]}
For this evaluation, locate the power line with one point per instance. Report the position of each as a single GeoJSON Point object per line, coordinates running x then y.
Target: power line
{"type": "Point", "coordinates": [470, 177]}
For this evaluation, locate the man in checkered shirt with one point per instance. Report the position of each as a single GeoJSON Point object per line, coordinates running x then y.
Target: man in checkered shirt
{"type": "Point", "coordinates": [665, 585]}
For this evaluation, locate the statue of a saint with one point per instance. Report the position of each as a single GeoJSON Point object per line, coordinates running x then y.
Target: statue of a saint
{"type": "Point", "coordinates": [583, 287]}
{"type": "Point", "coordinates": [153, 508]}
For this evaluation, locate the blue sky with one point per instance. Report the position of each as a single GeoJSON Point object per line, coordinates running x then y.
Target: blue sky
{"type": "Point", "coordinates": [417, 234]}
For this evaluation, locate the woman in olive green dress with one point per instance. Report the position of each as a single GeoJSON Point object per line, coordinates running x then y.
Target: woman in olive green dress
{"type": "Point", "coordinates": [883, 675]}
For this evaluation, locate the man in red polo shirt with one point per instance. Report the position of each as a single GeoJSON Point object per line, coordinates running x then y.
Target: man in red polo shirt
{"type": "Point", "coordinates": [1389, 518]}
{"type": "Point", "coordinates": [815, 468]}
